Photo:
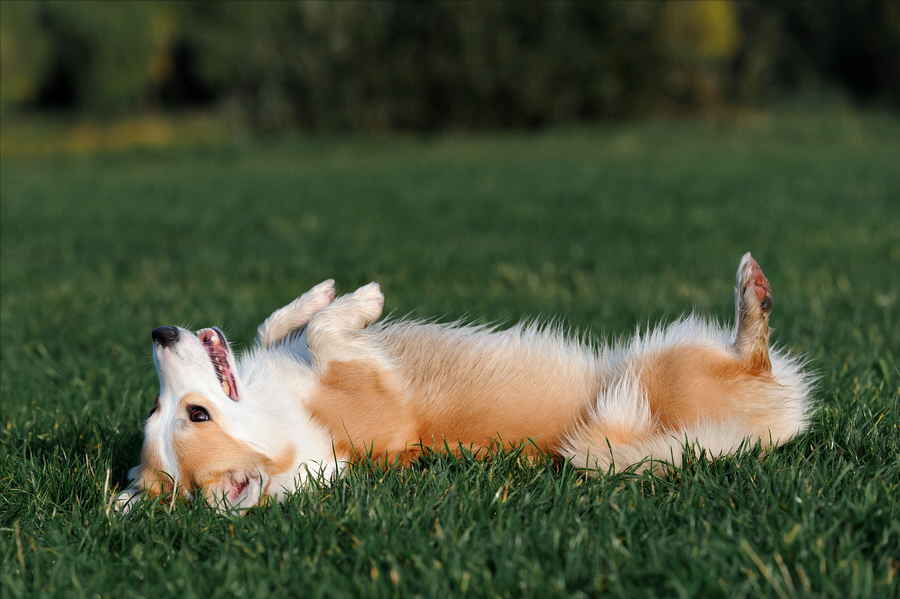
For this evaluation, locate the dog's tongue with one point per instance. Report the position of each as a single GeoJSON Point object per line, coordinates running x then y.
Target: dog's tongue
{"type": "Point", "coordinates": [217, 349]}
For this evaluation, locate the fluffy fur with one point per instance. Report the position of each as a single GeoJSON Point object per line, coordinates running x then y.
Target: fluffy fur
{"type": "Point", "coordinates": [326, 384]}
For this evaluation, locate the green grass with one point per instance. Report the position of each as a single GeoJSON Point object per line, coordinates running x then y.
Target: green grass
{"type": "Point", "coordinates": [609, 227]}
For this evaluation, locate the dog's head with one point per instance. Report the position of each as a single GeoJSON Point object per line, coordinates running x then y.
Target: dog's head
{"type": "Point", "coordinates": [204, 429]}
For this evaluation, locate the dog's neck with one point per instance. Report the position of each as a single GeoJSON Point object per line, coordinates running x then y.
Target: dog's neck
{"type": "Point", "coordinates": [277, 384]}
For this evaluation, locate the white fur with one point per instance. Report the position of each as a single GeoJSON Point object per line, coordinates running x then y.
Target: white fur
{"type": "Point", "coordinates": [425, 372]}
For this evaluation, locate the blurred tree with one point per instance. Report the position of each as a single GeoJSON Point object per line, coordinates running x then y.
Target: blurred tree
{"type": "Point", "coordinates": [430, 64]}
{"type": "Point", "coordinates": [704, 37]}
{"type": "Point", "coordinates": [24, 53]}
{"type": "Point", "coordinates": [103, 57]}
{"type": "Point", "coordinates": [853, 46]}
{"type": "Point", "coordinates": [442, 64]}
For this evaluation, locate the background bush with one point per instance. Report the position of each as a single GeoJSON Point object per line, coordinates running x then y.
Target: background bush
{"type": "Point", "coordinates": [438, 65]}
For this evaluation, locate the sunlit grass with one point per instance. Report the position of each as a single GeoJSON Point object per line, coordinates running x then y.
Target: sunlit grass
{"type": "Point", "coordinates": [609, 228]}
{"type": "Point", "coordinates": [23, 135]}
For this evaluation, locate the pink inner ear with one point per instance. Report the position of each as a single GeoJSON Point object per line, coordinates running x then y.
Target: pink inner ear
{"type": "Point", "coordinates": [217, 349]}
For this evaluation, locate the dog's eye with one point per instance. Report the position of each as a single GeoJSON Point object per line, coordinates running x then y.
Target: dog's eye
{"type": "Point", "coordinates": [198, 414]}
{"type": "Point", "coordinates": [155, 406]}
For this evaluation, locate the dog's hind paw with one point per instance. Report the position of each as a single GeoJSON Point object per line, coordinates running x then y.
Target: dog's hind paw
{"type": "Point", "coordinates": [752, 302]}
{"type": "Point", "coordinates": [751, 286]}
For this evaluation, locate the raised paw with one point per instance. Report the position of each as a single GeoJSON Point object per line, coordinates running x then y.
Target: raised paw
{"type": "Point", "coordinates": [752, 302]}
{"type": "Point", "coordinates": [284, 321]}
{"type": "Point", "coordinates": [369, 300]}
{"type": "Point", "coordinates": [349, 312]}
{"type": "Point", "coordinates": [336, 331]}
{"type": "Point", "coordinates": [751, 286]}
{"type": "Point", "coordinates": [319, 296]}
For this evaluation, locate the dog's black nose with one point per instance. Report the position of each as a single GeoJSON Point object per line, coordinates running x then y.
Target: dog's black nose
{"type": "Point", "coordinates": [165, 336]}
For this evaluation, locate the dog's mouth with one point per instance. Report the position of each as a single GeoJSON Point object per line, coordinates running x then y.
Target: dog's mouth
{"type": "Point", "coordinates": [217, 349]}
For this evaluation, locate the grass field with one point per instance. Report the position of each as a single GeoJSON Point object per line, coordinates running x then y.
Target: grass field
{"type": "Point", "coordinates": [610, 227]}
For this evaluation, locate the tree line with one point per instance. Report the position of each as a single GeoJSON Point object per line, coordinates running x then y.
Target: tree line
{"type": "Point", "coordinates": [441, 64]}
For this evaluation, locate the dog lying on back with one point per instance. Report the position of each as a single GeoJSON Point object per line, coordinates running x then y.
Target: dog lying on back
{"type": "Point", "coordinates": [326, 384]}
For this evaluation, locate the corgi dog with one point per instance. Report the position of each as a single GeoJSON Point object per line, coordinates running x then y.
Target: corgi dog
{"type": "Point", "coordinates": [326, 383]}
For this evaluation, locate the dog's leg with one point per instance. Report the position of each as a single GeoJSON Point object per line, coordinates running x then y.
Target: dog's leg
{"type": "Point", "coordinates": [752, 305]}
{"type": "Point", "coordinates": [361, 397]}
{"type": "Point", "coordinates": [713, 398]}
{"type": "Point", "coordinates": [334, 331]}
{"type": "Point", "coordinates": [295, 315]}
{"type": "Point", "coordinates": [687, 394]}
{"type": "Point", "coordinates": [633, 440]}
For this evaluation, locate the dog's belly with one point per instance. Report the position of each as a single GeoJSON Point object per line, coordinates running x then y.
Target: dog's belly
{"type": "Point", "coordinates": [447, 388]}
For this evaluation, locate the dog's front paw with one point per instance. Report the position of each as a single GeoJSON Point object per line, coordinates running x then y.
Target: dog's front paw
{"type": "Point", "coordinates": [319, 296]}
{"type": "Point", "coordinates": [127, 499]}
{"type": "Point", "coordinates": [369, 301]}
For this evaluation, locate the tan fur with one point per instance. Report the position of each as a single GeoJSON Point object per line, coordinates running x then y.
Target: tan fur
{"type": "Point", "coordinates": [489, 391]}
{"type": "Point", "coordinates": [475, 403]}
{"type": "Point", "coordinates": [205, 451]}
{"type": "Point", "coordinates": [347, 388]}
{"type": "Point", "coordinates": [754, 301]}
{"type": "Point", "coordinates": [686, 384]}
{"type": "Point", "coordinates": [364, 411]}
{"type": "Point", "coordinates": [154, 480]}
{"type": "Point", "coordinates": [483, 398]}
